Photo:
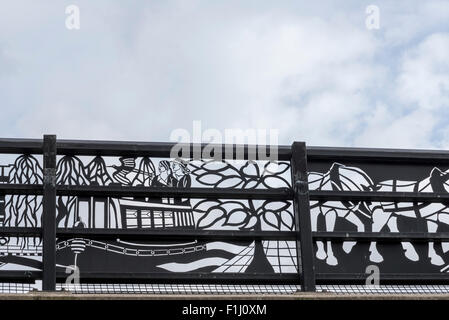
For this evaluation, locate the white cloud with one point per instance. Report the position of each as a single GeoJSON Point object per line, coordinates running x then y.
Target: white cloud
{"type": "Point", "coordinates": [424, 77]}
{"type": "Point", "coordinates": [415, 117]}
{"type": "Point", "coordinates": [314, 71]}
{"type": "Point", "coordinates": [387, 130]}
{"type": "Point", "coordinates": [404, 22]}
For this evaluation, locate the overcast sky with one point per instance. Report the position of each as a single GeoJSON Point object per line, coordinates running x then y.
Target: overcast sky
{"type": "Point", "coordinates": [136, 70]}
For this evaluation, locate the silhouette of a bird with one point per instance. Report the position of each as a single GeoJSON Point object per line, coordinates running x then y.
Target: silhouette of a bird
{"type": "Point", "coordinates": [127, 166]}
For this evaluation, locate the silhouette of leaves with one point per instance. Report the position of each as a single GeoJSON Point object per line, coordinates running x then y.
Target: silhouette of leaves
{"type": "Point", "coordinates": [251, 175]}
{"type": "Point", "coordinates": [242, 215]}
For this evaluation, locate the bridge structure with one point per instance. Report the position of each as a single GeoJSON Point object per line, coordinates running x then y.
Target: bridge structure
{"type": "Point", "coordinates": [129, 214]}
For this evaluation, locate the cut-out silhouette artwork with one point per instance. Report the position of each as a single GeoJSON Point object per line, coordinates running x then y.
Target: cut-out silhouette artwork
{"type": "Point", "coordinates": [167, 213]}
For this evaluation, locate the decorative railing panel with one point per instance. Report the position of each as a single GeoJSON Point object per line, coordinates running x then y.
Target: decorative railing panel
{"type": "Point", "coordinates": [127, 212]}
{"type": "Point", "coordinates": [145, 214]}
{"type": "Point", "coordinates": [377, 216]}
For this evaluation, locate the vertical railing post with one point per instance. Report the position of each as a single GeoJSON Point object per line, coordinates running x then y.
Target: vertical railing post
{"type": "Point", "coordinates": [301, 207]}
{"type": "Point", "coordinates": [49, 214]}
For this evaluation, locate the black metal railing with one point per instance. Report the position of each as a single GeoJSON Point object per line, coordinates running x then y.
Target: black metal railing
{"type": "Point", "coordinates": [300, 158]}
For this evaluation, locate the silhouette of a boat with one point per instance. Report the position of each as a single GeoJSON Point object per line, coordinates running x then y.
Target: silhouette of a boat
{"type": "Point", "coordinates": [140, 256]}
